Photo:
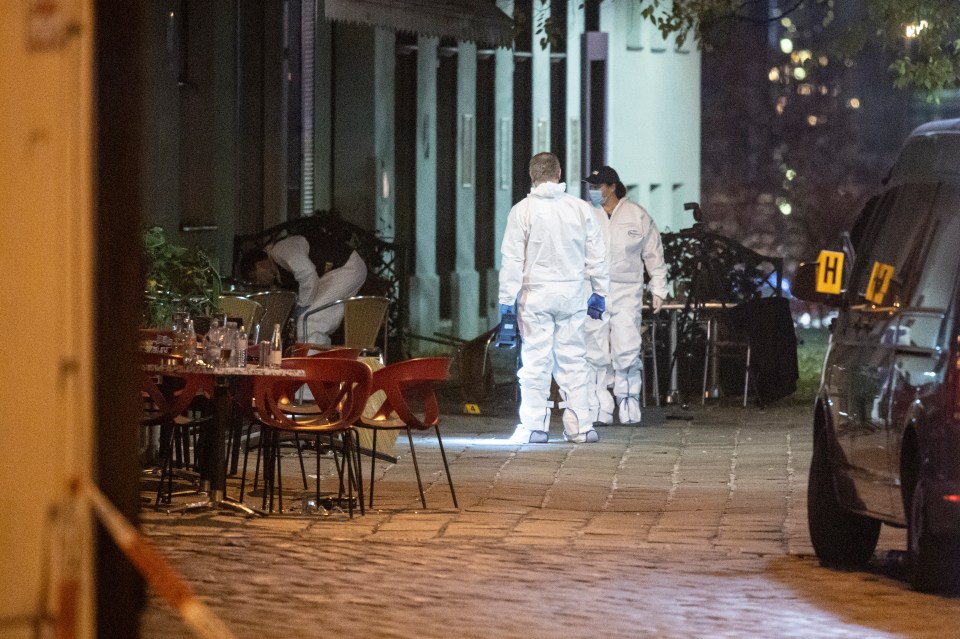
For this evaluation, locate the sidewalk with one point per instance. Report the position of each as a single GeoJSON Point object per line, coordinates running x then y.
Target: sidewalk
{"type": "Point", "coordinates": [691, 525]}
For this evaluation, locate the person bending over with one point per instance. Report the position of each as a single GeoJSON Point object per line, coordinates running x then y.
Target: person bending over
{"type": "Point", "coordinates": [319, 275]}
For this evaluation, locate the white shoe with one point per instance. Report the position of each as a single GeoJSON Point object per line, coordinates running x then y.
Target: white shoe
{"type": "Point", "coordinates": [604, 419]}
{"type": "Point", "coordinates": [586, 437]}
{"type": "Point", "coordinates": [523, 435]}
{"type": "Point", "coordinates": [628, 409]}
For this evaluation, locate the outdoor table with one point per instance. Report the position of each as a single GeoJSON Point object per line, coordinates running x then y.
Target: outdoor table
{"type": "Point", "coordinates": [211, 458]}
{"type": "Point", "coordinates": [674, 308]}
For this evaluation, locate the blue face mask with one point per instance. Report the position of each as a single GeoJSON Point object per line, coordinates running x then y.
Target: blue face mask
{"type": "Point", "coordinates": [595, 197]}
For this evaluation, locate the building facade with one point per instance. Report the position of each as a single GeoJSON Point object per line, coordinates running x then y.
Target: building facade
{"type": "Point", "coordinates": [414, 120]}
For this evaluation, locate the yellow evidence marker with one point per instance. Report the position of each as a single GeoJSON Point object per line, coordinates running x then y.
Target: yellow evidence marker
{"type": "Point", "coordinates": [829, 272]}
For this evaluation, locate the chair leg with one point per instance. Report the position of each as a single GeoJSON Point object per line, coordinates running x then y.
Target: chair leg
{"type": "Point", "coordinates": [303, 471]}
{"type": "Point", "coordinates": [373, 464]}
{"type": "Point", "coordinates": [166, 466]}
{"type": "Point", "coordinates": [268, 448]}
{"type": "Point", "coordinates": [358, 467]}
{"type": "Point", "coordinates": [416, 467]}
{"type": "Point", "coordinates": [707, 353]}
{"type": "Point", "coordinates": [341, 467]}
{"type": "Point", "coordinates": [317, 442]}
{"type": "Point", "coordinates": [643, 380]}
{"type": "Point", "coordinates": [656, 376]}
{"type": "Point", "coordinates": [746, 377]}
{"type": "Point", "coordinates": [346, 445]}
{"type": "Point", "coordinates": [276, 455]}
{"type": "Point", "coordinates": [262, 451]}
{"type": "Point", "coordinates": [246, 456]}
{"type": "Point", "coordinates": [446, 466]}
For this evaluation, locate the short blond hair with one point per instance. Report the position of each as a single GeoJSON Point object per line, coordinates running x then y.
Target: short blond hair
{"type": "Point", "coordinates": [544, 167]}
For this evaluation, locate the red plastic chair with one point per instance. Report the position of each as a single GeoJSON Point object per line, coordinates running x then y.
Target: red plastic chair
{"type": "Point", "coordinates": [170, 401]}
{"type": "Point", "coordinates": [344, 385]}
{"type": "Point", "coordinates": [400, 383]}
{"type": "Point", "coordinates": [303, 349]}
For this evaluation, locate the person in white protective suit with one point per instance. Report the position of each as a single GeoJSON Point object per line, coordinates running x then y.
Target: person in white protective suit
{"type": "Point", "coordinates": [293, 264]}
{"type": "Point", "coordinates": [613, 341]}
{"type": "Point", "coordinates": [552, 256]}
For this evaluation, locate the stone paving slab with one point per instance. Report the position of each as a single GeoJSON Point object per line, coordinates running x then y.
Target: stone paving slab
{"type": "Point", "coordinates": [692, 527]}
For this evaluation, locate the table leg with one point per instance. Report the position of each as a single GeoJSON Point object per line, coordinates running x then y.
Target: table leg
{"type": "Point", "coordinates": [673, 393]}
{"type": "Point", "coordinates": [211, 458]}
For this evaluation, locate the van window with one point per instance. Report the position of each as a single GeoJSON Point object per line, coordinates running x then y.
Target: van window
{"type": "Point", "coordinates": [897, 237]}
{"type": "Point", "coordinates": [935, 283]}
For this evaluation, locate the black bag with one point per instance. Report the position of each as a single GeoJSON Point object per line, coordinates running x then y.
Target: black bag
{"type": "Point", "coordinates": [766, 322]}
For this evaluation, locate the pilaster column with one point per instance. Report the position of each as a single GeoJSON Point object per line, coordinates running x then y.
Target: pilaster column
{"type": "Point", "coordinates": [383, 141]}
{"type": "Point", "coordinates": [502, 163]}
{"type": "Point", "coordinates": [465, 281]}
{"type": "Point", "coordinates": [572, 161]}
{"type": "Point", "coordinates": [424, 301]}
{"type": "Point", "coordinates": [541, 80]}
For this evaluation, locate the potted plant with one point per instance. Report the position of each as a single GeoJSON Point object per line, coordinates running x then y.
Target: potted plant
{"type": "Point", "coordinates": [177, 278]}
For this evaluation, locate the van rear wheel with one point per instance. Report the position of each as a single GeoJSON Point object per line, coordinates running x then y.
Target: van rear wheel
{"type": "Point", "coordinates": [841, 539]}
{"type": "Point", "coordinates": [934, 559]}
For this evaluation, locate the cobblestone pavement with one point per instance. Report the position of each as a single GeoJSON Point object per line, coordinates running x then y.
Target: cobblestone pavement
{"type": "Point", "coordinates": [687, 527]}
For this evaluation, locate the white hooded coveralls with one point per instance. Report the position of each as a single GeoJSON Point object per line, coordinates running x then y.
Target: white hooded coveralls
{"type": "Point", "coordinates": [613, 342]}
{"type": "Point", "coordinates": [551, 248]}
{"type": "Point", "coordinates": [292, 253]}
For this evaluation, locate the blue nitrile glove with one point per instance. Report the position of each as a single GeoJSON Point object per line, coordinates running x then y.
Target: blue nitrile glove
{"type": "Point", "coordinates": [506, 336]}
{"type": "Point", "coordinates": [596, 305]}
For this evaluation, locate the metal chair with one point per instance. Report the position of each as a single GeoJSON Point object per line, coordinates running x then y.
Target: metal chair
{"type": "Point", "coordinates": [400, 381]}
{"type": "Point", "coordinates": [277, 308]}
{"type": "Point", "coordinates": [365, 317]}
{"type": "Point", "coordinates": [648, 351]}
{"type": "Point", "coordinates": [722, 339]}
{"type": "Point", "coordinates": [249, 311]}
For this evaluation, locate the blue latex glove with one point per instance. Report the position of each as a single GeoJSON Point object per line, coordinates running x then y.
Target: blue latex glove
{"type": "Point", "coordinates": [596, 305]}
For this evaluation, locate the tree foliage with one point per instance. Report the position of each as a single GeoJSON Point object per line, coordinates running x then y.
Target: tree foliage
{"type": "Point", "coordinates": [921, 36]}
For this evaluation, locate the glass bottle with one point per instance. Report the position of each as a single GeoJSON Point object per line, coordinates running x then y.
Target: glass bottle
{"type": "Point", "coordinates": [228, 346]}
{"type": "Point", "coordinates": [189, 342]}
{"type": "Point", "coordinates": [241, 348]}
{"type": "Point", "coordinates": [212, 342]}
{"type": "Point", "coordinates": [276, 347]}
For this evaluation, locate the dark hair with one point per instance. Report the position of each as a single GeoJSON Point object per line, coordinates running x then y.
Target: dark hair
{"type": "Point", "coordinates": [248, 263]}
{"type": "Point", "coordinates": [620, 191]}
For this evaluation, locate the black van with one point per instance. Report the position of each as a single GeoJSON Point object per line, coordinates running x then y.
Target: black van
{"type": "Point", "coordinates": [887, 417]}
